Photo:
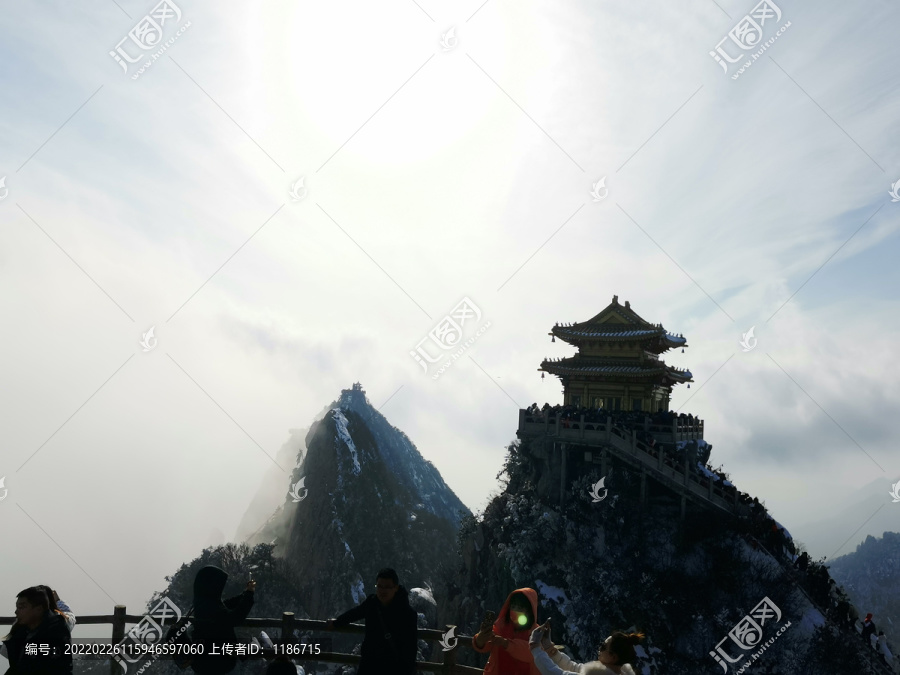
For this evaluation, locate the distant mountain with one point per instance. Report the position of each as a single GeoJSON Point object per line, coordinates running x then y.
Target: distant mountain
{"type": "Point", "coordinates": [839, 531]}
{"type": "Point", "coordinates": [871, 576]}
{"type": "Point", "coordinates": [369, 500]}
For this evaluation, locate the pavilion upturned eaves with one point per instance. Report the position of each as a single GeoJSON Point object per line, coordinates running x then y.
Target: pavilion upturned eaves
{"type": "Point", "coordinates": [617, 365]}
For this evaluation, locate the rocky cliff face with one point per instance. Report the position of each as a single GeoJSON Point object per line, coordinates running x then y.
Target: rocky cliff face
{"type": "Point", "coordinates": [619, 564]}
{"type": "Point", "coordinates": [368, 500]}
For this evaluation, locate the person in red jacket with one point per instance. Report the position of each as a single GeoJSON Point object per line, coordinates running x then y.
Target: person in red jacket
{"type": "Point", "coordinates": [507, 639]}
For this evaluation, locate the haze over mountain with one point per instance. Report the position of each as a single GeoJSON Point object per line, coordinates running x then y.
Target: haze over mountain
{"type": "Point", "coordinates": [851, 521]}
{"type": "Point", "coordinates": [368, 500]}
{"type": "Point", "coordinates": [871, 576]}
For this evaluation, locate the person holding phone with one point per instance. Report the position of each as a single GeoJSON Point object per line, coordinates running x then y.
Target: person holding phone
{"type": "Point", "coordinates": [507, 638]}
{"type": "Point", "coordinates": [215, 619]}
{"type": "Point", "coordinates": [614, 656]}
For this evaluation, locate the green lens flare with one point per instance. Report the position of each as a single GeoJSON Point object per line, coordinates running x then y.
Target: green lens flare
{"type": "Point", "coordinates": [523, 619]}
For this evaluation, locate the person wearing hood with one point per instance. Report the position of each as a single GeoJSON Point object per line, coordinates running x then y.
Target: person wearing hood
{"type": "Point", "coordinates": [507, 639]}
{"type": "Point", "coordinates": [390, 642]}
{"type": "Point", "coordinates": [214, 620]}
{"type": "Point", "coordinates": [615, 655]}
{"type": "Point", "coordinates": [37, 625]}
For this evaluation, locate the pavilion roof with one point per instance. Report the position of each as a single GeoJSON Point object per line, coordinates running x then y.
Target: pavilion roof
{"type": "Point", "coordinates": [618, 322]}
{"type": "Point", "coordinates": [579, 366]}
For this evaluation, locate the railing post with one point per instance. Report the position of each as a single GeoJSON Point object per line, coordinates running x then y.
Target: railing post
{"type": "Point", "coordinates": [581, 426]}
{"type": "Point", "coordinates": [633, 442]}
{"type": "Point", "coordinates": [558, 416]}
{"type": "Point", "coordinates": [675, 429]}
{"type": "Point", "coordinates": [608, 428]}
{"type": "Point", "coordinates": [118, 634]}
{"type": "Point", "coordinates": [449, 662]}
{"type": "Point", "coordinates": [287, 627]}
{"type": "Point", "coordinates": [686, 470]}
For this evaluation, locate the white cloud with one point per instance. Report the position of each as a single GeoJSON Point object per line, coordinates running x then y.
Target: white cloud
{"type": "Point", "coordinates": [449, 188]}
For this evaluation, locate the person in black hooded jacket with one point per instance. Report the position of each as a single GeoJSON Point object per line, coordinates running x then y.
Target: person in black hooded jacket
{"type": "Point", "coordinates": [214, 619]}
{"type": "Point", "coordinates": [389, 646]}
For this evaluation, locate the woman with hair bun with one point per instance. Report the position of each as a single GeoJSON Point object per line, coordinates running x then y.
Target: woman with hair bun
{"type": "Point", "coordinates": [615, 655]}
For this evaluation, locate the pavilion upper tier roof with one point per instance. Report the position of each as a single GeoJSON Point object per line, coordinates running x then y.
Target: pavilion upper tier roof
{"type": "Point", "coordinates": [618, 322]}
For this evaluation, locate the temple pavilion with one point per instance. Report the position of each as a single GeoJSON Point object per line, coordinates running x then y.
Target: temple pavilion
{"type": "Point", "coordinates": [617, 366]}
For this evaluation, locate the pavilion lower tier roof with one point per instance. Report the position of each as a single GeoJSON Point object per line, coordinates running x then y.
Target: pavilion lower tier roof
{"type": "Point", "coordinates": [608, 368]}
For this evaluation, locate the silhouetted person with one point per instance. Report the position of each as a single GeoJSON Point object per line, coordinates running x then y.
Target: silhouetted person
{"type": "Point", "coordinates": [214, 620]}
{"type": "Point", "coordinates": [36, 625]}
{"type": "Point", "coordinates": [803, 561]}
{"type": "Point", "coordinates": [868, 629]}
{"type": "Point", "coordinates": [507, 638]}
{"type": "Point", "coordinates": [389, 646]}
{"type": "Point", "coordinates": [843, 614]}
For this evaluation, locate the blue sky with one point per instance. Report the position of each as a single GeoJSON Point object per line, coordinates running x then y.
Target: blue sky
{"type": "Point", "coordinates": [432, 175]}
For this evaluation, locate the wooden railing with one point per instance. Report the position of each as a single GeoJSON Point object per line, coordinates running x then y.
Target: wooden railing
{"type": "Point", "coordinates": [682, 477]}
{"type": "Point", "coordinates": [678, 430]}
{"type": "Point", "coordinates": [288, 623]}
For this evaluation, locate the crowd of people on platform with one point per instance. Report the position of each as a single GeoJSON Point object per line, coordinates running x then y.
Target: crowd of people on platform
{"type": "Point", "coordinates": [694, 452]}
{"type": "Point", "coordinates": [515, 642]}
{"type": "Point", "coordinates": [625, 418]}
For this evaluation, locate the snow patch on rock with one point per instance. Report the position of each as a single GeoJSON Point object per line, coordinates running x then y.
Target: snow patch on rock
{"type": "Point", "coordinates": [343, 434]}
